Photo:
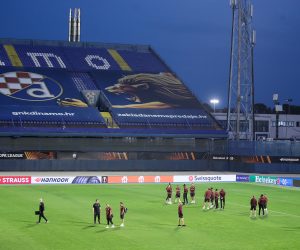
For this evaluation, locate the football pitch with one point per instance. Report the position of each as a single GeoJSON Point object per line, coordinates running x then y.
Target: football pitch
{"type": "Point", "coordinates": [149, 223]}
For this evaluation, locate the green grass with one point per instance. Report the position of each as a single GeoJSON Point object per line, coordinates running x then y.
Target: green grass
{"type": "Point", "coordinates": [150, 224]}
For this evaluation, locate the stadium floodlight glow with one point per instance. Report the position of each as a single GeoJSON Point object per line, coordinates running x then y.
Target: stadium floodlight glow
{"type": "Point", "coordinates": [214, 102]}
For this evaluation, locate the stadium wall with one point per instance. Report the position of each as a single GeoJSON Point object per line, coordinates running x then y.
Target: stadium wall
{"type": "Point", "coordinates": [146, 165]}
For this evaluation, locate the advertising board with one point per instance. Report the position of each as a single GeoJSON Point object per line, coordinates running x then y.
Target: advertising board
{"type": "Point", "coordinates": [140, 179]}
{"type": "Point", "coordinates": [204, 178]}
{"type": "Point", "coordinates": [242, 178]}
{"type": "Point", "coordinates": [15, 179]}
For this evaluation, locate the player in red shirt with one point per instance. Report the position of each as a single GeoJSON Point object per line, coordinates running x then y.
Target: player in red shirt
{"type": "Point", "coordinates": [169, 194]}
{"type": "Point", "coordinates": [123, 211]}
{"type": "Point", "coordinates": [177, 196]}
{"type": "Point", "coordinates": [253, 205]}
{"type": "Point", "coordinates": [185, 193]}
{"type": "Point", "coordinates": [207, 196]}
{"type": "Point", "coordinates": [212, 197]}
{"type": "Point", "coordinates": [266, 209]}
{"type": "Point", "coordinates": [216, 199]}
{"type": "Point", "coordinates": [109, 216]}
{"type": "Point", "coordinates": [222, 198]}
{"type": "Point", "coordinates": [261, 204]}
{"type": "Point", "coordinates": [192, 193]}
{"type": "Point", "coordinates": [180, 214]}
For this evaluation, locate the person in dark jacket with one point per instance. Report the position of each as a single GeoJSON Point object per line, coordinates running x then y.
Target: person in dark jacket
{"type": "Point", "coordinates": [41, 211]}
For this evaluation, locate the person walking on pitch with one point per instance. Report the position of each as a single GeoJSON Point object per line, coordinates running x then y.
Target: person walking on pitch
{"type": "Point", "coordinates": [109, 216]}
{"type": "Point", "coordinates": [169, 194]}
{"type": "Point", "coordinates": [266, 204]}
{"type": "Point", "coordinates": [222, 198]}
{"type": "Point", "coordinates": [253, 205]}
{"type": "Point", "coordinates": [192, 193]}
{"type": "Point", "coordinates": [177, 195]}
{"type": "Point", "coordinates": [123, 211]}
{"type": "Point", "coordinates": [216, 199]}
{"type": "Point", "coordinates": [41, 211]}
{"type": "Point", "coordinates": [180, 214]}
{"type": "Point", "coordinates": [206, 202]}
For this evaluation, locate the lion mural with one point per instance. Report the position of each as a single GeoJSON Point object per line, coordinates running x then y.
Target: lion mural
{"type": "Point", "coordinates": [153, 91]}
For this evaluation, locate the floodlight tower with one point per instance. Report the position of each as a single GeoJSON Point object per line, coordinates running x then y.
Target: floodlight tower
{"type": "Point", "coordinates": [74, 25]}
{"type": "Point", "coordinates": [240, 114]}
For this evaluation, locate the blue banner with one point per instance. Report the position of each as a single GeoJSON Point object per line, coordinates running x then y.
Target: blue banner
{"type": "Point", "coordinates": [242, 178]}
{"type": "Point", "coordinates": [286, 182]}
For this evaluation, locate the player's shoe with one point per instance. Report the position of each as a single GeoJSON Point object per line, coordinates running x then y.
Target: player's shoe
{"type": "Point", "coordinates": [122, 225]}
{"type": "Point", "coordinates": [107, 227]}
{"type": "Point", "coordinates": [113, 226]}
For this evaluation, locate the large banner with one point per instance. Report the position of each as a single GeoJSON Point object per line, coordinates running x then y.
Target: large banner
{"type": "Point", "coordinates": [153, 91]}
{"type": "Point", "coordinates": [204, 178]}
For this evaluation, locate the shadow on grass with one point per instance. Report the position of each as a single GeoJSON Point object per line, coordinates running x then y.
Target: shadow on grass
{"type": "Point", "coordinates": [263, 217]}
{"type": "Point", "coordinates": [79, 222]}
{"type": "Point", "coordinates": [253, 218]}
{"type": "Point", "coordinates": [32, 225]}
{"type": "Point", "coordinates": [90, 226]}
{"type": "Point", "coordinates": [291, 228]}
{"type": "Point", "coordinates": [164, 224]}
{"type": "Point", "coordinates": [109, 229]}
{"type": "Point", "coordinates": [179, 228]}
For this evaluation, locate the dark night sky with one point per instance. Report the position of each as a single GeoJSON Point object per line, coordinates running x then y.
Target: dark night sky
{"type": "Point", "coordinates": [192, 37]}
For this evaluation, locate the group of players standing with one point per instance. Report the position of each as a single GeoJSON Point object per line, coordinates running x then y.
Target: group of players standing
{"type": "Point", "coordinates": [96, 210]}
{"type": "Point", "coordinates": [109, 213]}
{"type": "Point", "coordinates": [262, 205]}
{"type": "Point", "coordinates": [211, 199]}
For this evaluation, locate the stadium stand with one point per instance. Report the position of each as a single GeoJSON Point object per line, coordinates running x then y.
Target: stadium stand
{"type": "Point", "coordinates": [108, 88]}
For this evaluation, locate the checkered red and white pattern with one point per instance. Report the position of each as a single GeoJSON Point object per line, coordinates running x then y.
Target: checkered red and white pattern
{"type": "Point", "coordinates": [13, 82]}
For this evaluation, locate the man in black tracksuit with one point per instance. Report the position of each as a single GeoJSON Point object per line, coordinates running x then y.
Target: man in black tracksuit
{"type": "Point", "coordinates": [41, 211]}
{"type": "Point", "coordinates": [96, 209]}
